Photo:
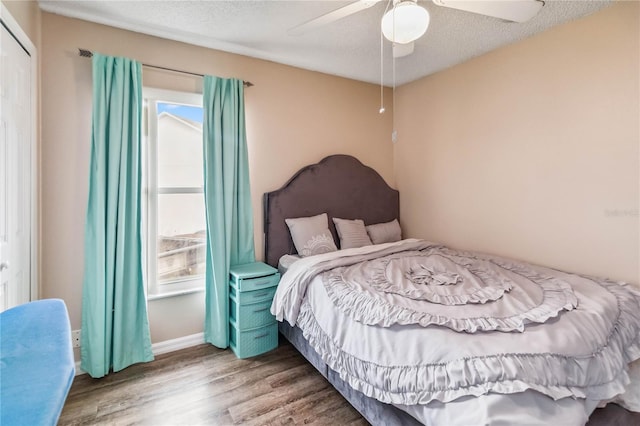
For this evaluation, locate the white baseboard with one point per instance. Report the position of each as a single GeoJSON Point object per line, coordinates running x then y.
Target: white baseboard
{"type": "Point", "coordinates": [165, 347]}
{"type": "Point", "coordinates": [177, 344]}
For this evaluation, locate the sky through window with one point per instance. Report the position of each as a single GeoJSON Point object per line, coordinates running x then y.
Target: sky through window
{"type": "Point", "coordinates": [190, 112]}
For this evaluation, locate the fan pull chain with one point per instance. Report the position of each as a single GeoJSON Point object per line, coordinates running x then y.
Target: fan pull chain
{"type": "Point", "coordinates": [394, 133]}
{"type": "Point", "coordinates": [382, 109]}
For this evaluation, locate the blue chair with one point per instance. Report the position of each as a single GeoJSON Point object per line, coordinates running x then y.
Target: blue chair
{"type": "Point", "coordinates": [36, 363]}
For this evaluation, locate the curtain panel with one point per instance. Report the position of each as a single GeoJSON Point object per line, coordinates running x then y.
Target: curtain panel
{"type": "Point", "coordinates": [227, 193]}
{"type": "Point", "coordinates": [115, 326]}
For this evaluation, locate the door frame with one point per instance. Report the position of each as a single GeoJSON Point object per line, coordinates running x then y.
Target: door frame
{"type": "Point", "coordinates": [14, 28]}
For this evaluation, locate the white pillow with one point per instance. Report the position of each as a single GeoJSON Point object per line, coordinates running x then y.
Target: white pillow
{"type": "Point", "coordinates": [352, 233]}
{"type": "Point", "coordinates": [387, 232]}
{"type": "Point", "coordinates": [311, 235]}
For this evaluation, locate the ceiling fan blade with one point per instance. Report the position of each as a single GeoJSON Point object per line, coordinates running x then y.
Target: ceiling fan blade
{"type": "Point", "coordinates": [332, 16]}
{"type": "Point", "coordinates": [400, 50]}
{"type": "Point", "coordinates": [509, 10]}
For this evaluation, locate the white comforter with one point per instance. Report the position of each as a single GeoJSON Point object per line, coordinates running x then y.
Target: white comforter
{"type": "Point", "coordinates": [578, 356]}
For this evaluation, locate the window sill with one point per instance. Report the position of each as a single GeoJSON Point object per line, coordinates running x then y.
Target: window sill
{"type": "Point", "coordinates": [176, 293]}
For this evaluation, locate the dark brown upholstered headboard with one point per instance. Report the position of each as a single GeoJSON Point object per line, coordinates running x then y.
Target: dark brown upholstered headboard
{"type": "Point", "coordinates": [340, 186]}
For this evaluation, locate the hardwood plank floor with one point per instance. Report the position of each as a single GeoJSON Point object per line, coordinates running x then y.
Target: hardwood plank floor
{"type": "Point", "coordinates": [206, 385]}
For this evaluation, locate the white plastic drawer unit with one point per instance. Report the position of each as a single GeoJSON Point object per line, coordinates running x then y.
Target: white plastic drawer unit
{"type": "Point", "coordinates": [252, 328]}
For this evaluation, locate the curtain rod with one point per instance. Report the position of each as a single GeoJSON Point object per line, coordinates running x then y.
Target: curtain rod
{"type": "Point", "coordinates": [88, 54]}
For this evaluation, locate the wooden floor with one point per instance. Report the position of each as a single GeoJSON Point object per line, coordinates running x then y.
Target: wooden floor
{"type": "Point", "coordinates": [206, 385]}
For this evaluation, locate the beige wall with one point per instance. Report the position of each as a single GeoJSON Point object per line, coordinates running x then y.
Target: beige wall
{"type": "Point", "coordinates": [27, 15]}
{"type": "Point", "coordinates": [294, 117]}
{"type": "Point", "coordinates": [531, 151]}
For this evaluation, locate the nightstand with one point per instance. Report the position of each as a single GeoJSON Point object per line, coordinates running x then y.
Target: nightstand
{"type": "Point", "coordinates": [252, 328]}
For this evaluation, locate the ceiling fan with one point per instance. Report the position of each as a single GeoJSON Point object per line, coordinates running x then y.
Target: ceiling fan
{"type": "Point", "coordinates": [406, 21]}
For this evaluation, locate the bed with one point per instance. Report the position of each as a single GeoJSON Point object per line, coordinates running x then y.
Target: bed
{"type": "Point", "coordinates": [401, 328]}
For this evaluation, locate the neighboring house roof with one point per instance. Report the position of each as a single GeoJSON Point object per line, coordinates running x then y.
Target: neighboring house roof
{"type": "Point", "coordinates": [189, 123]}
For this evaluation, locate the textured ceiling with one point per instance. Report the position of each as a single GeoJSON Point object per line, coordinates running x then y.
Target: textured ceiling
{"type": "Point", "coordinates": [349, 47]}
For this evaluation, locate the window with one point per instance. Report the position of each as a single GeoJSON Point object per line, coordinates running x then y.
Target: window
{"type": "Point", "coordinates": [174, 178]}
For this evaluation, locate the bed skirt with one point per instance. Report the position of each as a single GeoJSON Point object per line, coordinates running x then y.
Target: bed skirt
{"type": "Point", "coordinates": [376, 412]}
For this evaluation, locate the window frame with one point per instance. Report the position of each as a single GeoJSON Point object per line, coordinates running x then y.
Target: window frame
{"type": "Point", "coordinates": [155, 289]}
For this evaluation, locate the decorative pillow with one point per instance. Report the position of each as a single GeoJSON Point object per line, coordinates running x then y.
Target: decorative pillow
{"type": "Point", "coordinates": [285, 262]}
{"type": "Point", "coordinates": [387, 232]}
{"type": "Point", "coordinates": [311, 235]}
{"type": "Point", "coordinates": [352, 233]}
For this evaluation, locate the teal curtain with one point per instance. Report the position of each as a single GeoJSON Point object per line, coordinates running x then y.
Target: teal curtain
{"type": "Point", "coordinates": [115, 327]}
{"type": "Point", "coordinates": [227, 199]}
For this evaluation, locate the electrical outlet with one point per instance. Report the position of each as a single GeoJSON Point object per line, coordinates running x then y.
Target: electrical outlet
{"type": "Point", "coordinates": [75, 338]}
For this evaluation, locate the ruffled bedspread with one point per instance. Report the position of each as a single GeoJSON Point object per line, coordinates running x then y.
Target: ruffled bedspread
{"type": "Point", "coordinates": [413, 322]}
{"type": "Point", "coordinates": [438, 286]}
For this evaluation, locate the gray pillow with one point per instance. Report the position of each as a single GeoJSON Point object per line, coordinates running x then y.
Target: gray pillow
{"type": "Point", "coordinates": [352, 233]}
{"type": "Point", "coordinates": [311, 235]}
{"type": "Point", "coordinates": [387, 232]}
{"type": "Point", "coordinates": [285, 262]}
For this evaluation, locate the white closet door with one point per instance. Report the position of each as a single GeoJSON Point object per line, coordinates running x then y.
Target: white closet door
{"type": "Point", "coordinates": [15, 172]}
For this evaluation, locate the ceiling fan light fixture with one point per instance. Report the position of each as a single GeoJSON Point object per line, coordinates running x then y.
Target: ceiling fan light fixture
{"type": "Point", "coordinates": [405, 23]}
